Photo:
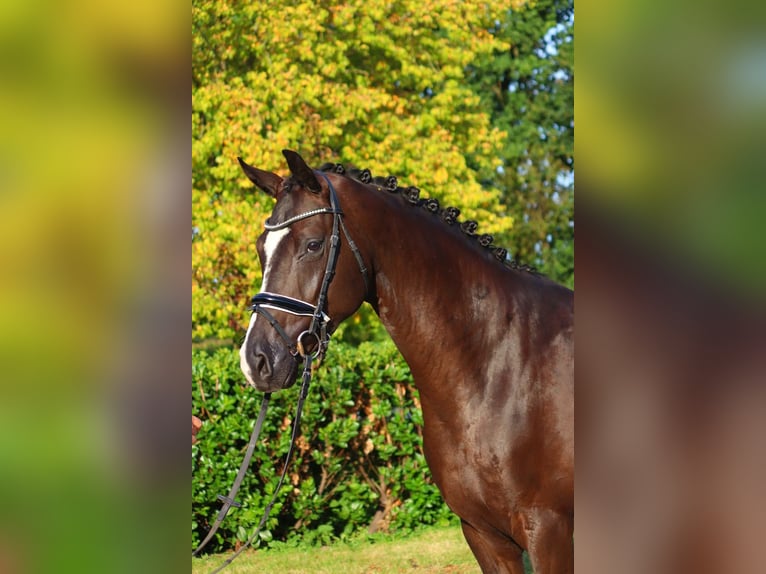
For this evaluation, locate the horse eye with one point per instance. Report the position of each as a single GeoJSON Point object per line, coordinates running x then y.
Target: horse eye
{"type": "Point", "coordinates": [314, 246]}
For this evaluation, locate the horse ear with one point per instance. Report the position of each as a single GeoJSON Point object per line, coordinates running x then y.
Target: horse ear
{"type": "Point", "coordinates": [265, 180]}
{"type": "Point", "coordinates": [302, 172]}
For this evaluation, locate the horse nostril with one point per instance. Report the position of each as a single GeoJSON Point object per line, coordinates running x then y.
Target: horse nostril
{"type": "Point", "coordinates": [262, 366]}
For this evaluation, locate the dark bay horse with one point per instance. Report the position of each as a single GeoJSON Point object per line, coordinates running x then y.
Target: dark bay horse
{"type": "Point", "coordinates": [490, 345]}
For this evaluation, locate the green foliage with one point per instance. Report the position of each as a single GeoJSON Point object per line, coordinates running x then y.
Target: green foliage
{"type": "Point", "coordinates": [358, 463]}
{"type": "Point", "coordinates": [528, 88]}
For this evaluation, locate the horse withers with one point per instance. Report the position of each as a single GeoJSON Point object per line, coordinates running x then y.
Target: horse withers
{"type": "Point", "coordinates": [489, 344]}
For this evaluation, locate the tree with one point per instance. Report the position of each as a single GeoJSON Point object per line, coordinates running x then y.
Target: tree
{"type": "Point", "coordinates": [374, 84]}
{"type": "Point", "coordinates": [528, 88]}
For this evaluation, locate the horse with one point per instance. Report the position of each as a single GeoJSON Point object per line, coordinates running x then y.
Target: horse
{"type": "Point", "coordinates": [489, 344]}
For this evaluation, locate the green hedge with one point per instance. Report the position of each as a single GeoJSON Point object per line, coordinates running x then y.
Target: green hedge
{"type": "Point", "coordinates": [358, 464]}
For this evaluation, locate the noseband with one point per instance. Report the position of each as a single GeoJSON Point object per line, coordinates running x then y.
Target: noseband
{"type": "Point", "coordinates": [319, 318]}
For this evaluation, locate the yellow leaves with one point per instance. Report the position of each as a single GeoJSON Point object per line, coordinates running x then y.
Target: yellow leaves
{"type": "Point", "coordinates": [440, 176]}
{"type": "Point", "coordinates": [377, 84]}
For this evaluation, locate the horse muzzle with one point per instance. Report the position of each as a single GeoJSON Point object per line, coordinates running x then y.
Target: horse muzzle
{"type": "Point", "coordinates": [268, 368]}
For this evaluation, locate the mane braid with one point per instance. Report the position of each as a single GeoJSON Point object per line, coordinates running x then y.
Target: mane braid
{"type": "Point", "coordinates": [448, 215]}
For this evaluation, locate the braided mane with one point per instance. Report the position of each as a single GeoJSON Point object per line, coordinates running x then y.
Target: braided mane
{"type": "Point", "coordinates": [448, 215]}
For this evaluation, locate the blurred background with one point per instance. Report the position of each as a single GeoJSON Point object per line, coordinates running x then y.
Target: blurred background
{"type": "Point", "coordinates": [94, 296]}
{"type": "Point", "coordinates": [671, 386]}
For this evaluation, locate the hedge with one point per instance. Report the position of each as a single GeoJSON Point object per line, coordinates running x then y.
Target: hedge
{"type": "Point", "coordinates": [358, 464]}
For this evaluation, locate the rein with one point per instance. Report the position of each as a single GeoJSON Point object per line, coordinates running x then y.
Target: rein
{"type": "Point", "coordinates": [317, 329]}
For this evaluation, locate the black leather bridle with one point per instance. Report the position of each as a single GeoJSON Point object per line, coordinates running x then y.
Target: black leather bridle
{"type": "Point", "coordinates": [318, 329]}
{"type": "Point", "coordinates": [319, 318]}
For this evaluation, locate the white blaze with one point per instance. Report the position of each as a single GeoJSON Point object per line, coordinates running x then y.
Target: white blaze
{"type": "Point", "coordinates": [273, 240]}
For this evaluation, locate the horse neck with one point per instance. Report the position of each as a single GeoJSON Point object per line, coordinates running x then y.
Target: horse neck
{"type": "Point", "coordinates": [432, 287]}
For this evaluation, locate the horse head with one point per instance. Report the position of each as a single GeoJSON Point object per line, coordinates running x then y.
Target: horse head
{"type": "Point", "coordinates": [311, 275]}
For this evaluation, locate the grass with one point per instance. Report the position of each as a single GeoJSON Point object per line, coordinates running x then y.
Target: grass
{"type": "Point", "coordinates": [429, 551]}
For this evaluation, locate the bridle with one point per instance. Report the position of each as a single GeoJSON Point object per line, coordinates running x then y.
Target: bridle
{"type": "Point", "coordinates": [319, 318]}
{"type": "Point", "coordinates": [318, 329]}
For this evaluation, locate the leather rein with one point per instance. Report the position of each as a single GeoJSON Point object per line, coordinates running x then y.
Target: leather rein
{"type": "Point", "coordinates": [318, 331]}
